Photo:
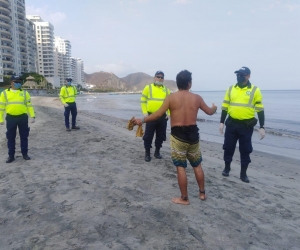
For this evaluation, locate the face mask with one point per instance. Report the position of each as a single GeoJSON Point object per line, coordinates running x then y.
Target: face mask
{"type": "Point", "coordinates": [69, 83]}
{"type": "Point", "coordinates": [158, 83]}
{"type": "Point", "coordinates": [17, 85]}
{"type": "Point", "coordinates": [240, 78]}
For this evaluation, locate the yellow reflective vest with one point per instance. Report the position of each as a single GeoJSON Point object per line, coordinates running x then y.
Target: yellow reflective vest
{"type": "Point", "coordinates": [15, 102]}
{"type": "Point", "coordinates": [242, 103]}
{"type": "Point", "coordinates": [68, 94]}
{"type": "Point", "coordinates": [153, 97]}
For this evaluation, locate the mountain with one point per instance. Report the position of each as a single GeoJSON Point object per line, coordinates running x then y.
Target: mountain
{"type": "Point", "coordinates": [131, 82]}
{"type": "Point", "coordinates": [105, 80]}
{"type": "Point", "coordinates": [137, 81]}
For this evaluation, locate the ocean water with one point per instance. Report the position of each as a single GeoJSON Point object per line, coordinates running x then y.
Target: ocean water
{"type": "Point", "coordinates": [282, 113]}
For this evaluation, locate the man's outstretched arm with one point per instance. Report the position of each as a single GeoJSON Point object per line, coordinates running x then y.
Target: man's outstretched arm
{"type": "Point", "coordinates": [207, 110]}
{"type": "Point", "coordinates": [154, 116]}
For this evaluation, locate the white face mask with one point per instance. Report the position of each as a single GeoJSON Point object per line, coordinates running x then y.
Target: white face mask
{"type": "Point", "coordinates": [158, 83]}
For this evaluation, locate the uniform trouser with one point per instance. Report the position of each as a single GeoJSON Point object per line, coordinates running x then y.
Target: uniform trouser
{"type": "Point", "coordinates": [159, 127]}
{"type": "Point", "coordinates": [73, 110]}
{"type": "Point", "coordinates": [238, 132]}
{"type": "Point", "coordinates": [12, 123]}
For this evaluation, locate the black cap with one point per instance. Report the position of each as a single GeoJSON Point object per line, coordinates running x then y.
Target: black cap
{"type": "Point", "coordinates": [14, 78]}
{"type": "Point", "coordinates": [68, 79]}
{"type": "Point", "coordinates": [243, 71]}
{"type": "Point", "coordinates": [159, 72]}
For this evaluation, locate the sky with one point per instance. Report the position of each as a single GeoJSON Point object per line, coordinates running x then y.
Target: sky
{"type": "Point", "coordinates": [210, 38]}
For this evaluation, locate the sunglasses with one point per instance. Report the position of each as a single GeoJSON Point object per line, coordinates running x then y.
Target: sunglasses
{"type": "Point", "coordinates": [17, 81]}
{"type": "Point", "coordinates": [160, 77]}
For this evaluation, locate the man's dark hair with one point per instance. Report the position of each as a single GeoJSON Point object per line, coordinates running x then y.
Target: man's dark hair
{"type": "Point", "coordinates": [183, 78]}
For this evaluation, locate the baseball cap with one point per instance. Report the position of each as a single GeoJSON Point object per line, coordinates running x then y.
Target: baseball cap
{"type": "Point", "coordinates": [159, 72]}
{"type": "Point", "coordinates": [14, 78]}
{"type": "Point", "coordinates": [243, 71]}
{"type": "Point", "coordinates": [68, 79]}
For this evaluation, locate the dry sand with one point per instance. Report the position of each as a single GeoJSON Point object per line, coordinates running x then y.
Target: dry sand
{"type": "Point", "coordinates": [92, 189]}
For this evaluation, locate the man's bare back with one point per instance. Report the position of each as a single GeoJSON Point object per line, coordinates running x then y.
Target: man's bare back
{"type": "Point", "coordinates": [184, 107]}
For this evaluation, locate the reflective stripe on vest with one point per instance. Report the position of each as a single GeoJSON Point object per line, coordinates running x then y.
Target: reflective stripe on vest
{"type": "Point", "coordinates": [68, 93]}
{"type": "Point", "coordinates": [156, 99]}
{"type": "Point", "coordinates": [7, 102]}
{"type": "Point", "coordinates": [248, 105]}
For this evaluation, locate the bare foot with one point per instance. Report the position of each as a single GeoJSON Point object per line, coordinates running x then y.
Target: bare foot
{"type": "Point", "coordinates": [202, 196]}
{"type": "Point", "coordinates": [179, 200]}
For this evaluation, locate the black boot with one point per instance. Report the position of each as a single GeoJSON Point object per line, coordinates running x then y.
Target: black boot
{"type": "Point", "coordinates": [157, 154]}
{"type": "Point", "coordinates": [10, 159]}
{"type": "Point", "coordinates": [226, 169]}
{"type": "Point", "coordinates": [147, 155]}
{"type": "Point", "coordinates": [243, 175]}
{"type": "Point", "coordinates": [26, 157]}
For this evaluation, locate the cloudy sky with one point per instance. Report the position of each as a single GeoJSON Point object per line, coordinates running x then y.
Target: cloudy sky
{"type": "Point", "coordinates": [211, 39]}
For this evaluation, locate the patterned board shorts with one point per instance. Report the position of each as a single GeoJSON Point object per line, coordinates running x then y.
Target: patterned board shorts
{"type": "Point", "coordinates": [180, 151]}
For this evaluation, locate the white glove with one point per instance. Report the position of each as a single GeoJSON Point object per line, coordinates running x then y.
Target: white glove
{"type": "Point", "coordinates": [32, 120]}
{"type": "Point", "coordinates": [66, 105]}
{"type": "Point", "coordinates": [262, 133]}
{"type": "Point", "coordinates": [221, 128]}
{"type": "Point", "coordinates": [1, 123]}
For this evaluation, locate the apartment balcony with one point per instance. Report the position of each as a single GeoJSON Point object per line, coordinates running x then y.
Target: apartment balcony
{"type": "Point", "coordinates": [5, 31]}
{"type": "Point", "coordinates": [4, 8]}
{"type": "Point", "coordinates": [21, 18]}
{"type": "Point", "coordinates": [23, 51]}
{"type": "Point", "coordinates": [5, 45]}
{"type": "Point", "coordinates": [6, 38]}
{"type": "Point", "coordinates": [8, 60]}
{"type": "Point", "coordinates": [8, 66]}
{"type": "Point", "coordinates": [4, 23]}
{"type": "Point", "coordinates": [7, 52]}
{"type": "Point", "coordinates": [5, 2]}
{"type": "Point", "coordinates": [5, 16]}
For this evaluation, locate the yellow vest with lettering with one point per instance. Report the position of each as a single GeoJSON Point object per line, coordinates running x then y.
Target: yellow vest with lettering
{"type": "Point", "coordinates": [242, 103]}
{"type": "Point", "coordinates": [16, 102]}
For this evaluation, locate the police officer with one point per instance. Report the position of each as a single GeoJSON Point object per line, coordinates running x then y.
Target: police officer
{"type": "Point", "coordinates": [16, 103]}
{"type": "Point", "coordinates": [152, 98]}
{"type": "Point", "coordinates": [241, 101]}
{"type": "Point", "coordinates": [67, 96]}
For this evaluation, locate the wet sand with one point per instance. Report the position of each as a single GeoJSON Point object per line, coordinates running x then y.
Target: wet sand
{"type": "Point", "coordinates": [92, 189]}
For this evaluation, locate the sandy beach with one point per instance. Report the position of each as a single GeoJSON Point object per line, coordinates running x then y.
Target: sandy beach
{"type": "Point", "coordinates": [92, 189]}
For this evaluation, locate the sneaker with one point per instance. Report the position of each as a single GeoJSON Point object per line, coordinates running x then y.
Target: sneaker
{"type": "Point", "coordinates": [10, 159]}
{"type": "Point", "coordinates": [75, 127]}
{"type": "Point", "coordinates": [26, 157]}
{"type": "Point", "coordinates": [68, 129]}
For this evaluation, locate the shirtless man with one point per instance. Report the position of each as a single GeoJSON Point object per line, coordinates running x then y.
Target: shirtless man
{"type": "Point", "coordinates": [184, 138]}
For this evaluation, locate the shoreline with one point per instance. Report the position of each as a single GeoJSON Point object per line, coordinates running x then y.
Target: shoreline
{"type": "Point", "coordinates": [92, 189]}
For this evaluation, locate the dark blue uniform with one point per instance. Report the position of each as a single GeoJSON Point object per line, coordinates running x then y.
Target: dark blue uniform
{"type": "Point", "coordinates": [12, 123]}
{"type": "Point", "coordinates": [159, 127]}
{"type": "Point", "coordinates": [72, 108]}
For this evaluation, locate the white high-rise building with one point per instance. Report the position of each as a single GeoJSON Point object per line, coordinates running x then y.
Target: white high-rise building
{"type": "Point", "coordinates": [77, 72]}
{"type": "Point", "coordinates": [31, 47]}
{"type": "Point", "coordinates": [63, 49]}
{"type": "Point", "coordinates": [45, 49]}
{"type": "Point", "coordinates": [13, 36]}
